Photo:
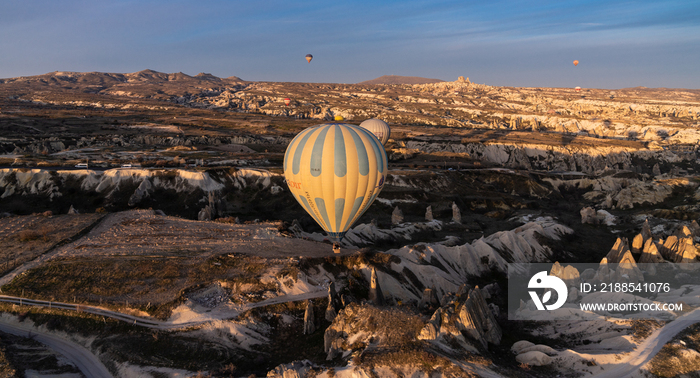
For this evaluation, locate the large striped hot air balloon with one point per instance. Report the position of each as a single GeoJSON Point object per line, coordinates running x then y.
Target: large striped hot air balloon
{"type": "Point", "coordinates": [335, 171]}
{"type": "Point", "coordinates": [379, 128]}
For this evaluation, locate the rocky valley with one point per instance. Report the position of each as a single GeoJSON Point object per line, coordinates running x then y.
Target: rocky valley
{"type": "Point", "coordinates": [145, 217]}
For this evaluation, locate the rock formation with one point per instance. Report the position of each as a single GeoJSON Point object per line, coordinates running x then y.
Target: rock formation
{"type": "Point", "coordinates": [521, 345]}
{"type": "Point", "coordinates": [462, 320]}
{"type": "Point", "coordinates": [429, 213]}
{"type": "Point", "coordinates": [650, 252]}
{"type": "Point", "coordinates": [617, 251]}
{"type": "Point", "coordinates": [309, 320]}
{"type": "Point", "coordinates": [375, 292]}
{"type": "Point", "coordinates": [477, 320]}
{"type": "Point", "coordinates": [345, 300]}
{"type": "Point", "coordinates": [684, 232]}
{"type": "Point", "coordinates": [568, 274]}
{"type": "Point", "coordinates": [694, 228]}
{"type": "Point", "coordinates": [333, 303]}
{"type": "Point", "coordinates": [116, 186]}
{"type": "Point", "coordinates": [431, 330]}
{"type": "Point", "coordinates": [212, 210]}
{"type": "Point", "coordinates": [396, 216]}
{"type": "Point", "coordinates": [637, 243]}
{"type": "Point", "coordinates": [428, 300]}
{"type": "Point", "coordinates": [591, 216]}
{"type": "Point", "coordinates": [679, 249]}
{"type": "Point", "coordinates": [588, 215]}
{"type": "Point", "coordinates": [296, 369]}
{"type": "Point", "coordinates": [534, 358]}
{"type": "Point", "coordinates": [627, 270]}
{"type": "Point", "coordinates": [359, 326]}
{"type": "Point", "coordinates": [456, 214]}
{"type": "Point", "coordinates": [72, 210]}
{"type": "Point", "coordinates": [646, 231]}
{"type": "Point", "coordinates": [669, 247]}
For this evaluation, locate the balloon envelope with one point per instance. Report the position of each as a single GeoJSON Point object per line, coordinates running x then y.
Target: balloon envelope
{"type": "Point", "coordinates": [338, 118]}
{"type": "Point", "coordinates": [379, 128]}
{"type": "Point", "coordinates": [287, 101]}
{"type": "Point", "coordinates": [335, 171]}
{"type": "Point", "coordinates": [309, 57]}
{"type": "Point", "coordinates": [575, 62]}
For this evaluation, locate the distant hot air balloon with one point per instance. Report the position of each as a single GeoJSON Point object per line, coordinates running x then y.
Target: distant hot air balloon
{"type": "Point", "coordinates": [309, 57]}
{"type": "Point", "coordinates": [335, 171]}
{"type": "Point", "coordinates": [577, 89]}
{"type": "Point", "coordinates": [575, 62]}
{"type": "Point", "coordinates": [338, 118]}
{"type": "Point", "coordinates": [287, 101]}
{"type": "Point", "coordinates": [379, 128]}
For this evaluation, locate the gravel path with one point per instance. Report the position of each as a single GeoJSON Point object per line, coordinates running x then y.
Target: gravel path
{"type": "Point", "coordinates": [650, 347]}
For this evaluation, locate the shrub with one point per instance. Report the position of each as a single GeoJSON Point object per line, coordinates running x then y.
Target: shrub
{"type": "Point", "coordinates": [28, 235]}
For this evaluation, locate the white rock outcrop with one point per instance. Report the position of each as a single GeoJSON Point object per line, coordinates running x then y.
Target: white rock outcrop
{"type": "Point", "coordinates": [534, 358]}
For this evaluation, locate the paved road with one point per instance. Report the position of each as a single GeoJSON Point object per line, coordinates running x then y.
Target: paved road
{"type": "Point", "coordinates": [87, 362]}
{"type": "Point", "coordinates": [154, 323]}
{"type": "Point", "coordinates": [651, 346]}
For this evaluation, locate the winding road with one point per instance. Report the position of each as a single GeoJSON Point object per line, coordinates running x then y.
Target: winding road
{"type": "Point", "coordinates": [83, 359]}
{"type": "Point", "coordinates": [154, 323]}
{"type": "Point", "coordinates": [86, 361]}
{"type": "Point", "coordinates": [93, 367]}
{"type": "Point", "coordinates": [651, 346]}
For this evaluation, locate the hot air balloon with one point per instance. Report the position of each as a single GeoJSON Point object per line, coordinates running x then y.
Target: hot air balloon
{"type": "Point", "coordinates": [338, 118]}
{"type": "Point", "coordinates": [335, 171]}
{"type": "Point", "coordinates": [287, 101]}
{"type": "Point", "coordinates": [577, 89]}
{"type": "Point", "coordinates": [575, 62]}
{"type": "Point", "coordinates": [379, 128]}
{"type": "Point", "coordinates": [309, 57]}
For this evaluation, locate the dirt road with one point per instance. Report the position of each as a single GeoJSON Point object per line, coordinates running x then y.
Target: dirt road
{"type": "Point", "coordinates": [651, 346]}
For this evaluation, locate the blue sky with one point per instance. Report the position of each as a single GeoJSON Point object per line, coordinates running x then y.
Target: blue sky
{"type": "Point", "coordinates": [508, 43]}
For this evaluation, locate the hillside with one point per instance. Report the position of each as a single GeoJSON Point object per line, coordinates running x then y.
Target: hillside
{"type": "Point", "coordinates": [395, 79]}
{"type": "Point", "coordinates": [183, 224]}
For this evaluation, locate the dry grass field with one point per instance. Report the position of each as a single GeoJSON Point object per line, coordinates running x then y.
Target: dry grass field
{"type": "Point", "coordinates": [144, 261]}
{"type": "Point", "coordinates": [27, 237]}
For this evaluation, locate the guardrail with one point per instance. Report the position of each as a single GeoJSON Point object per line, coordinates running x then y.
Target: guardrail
{"type": "Point", "coordinates": [149, 323]}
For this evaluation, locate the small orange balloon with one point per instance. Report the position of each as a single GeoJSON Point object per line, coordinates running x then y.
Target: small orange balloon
{"type": "Point", "coordinates": [575, 62]}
